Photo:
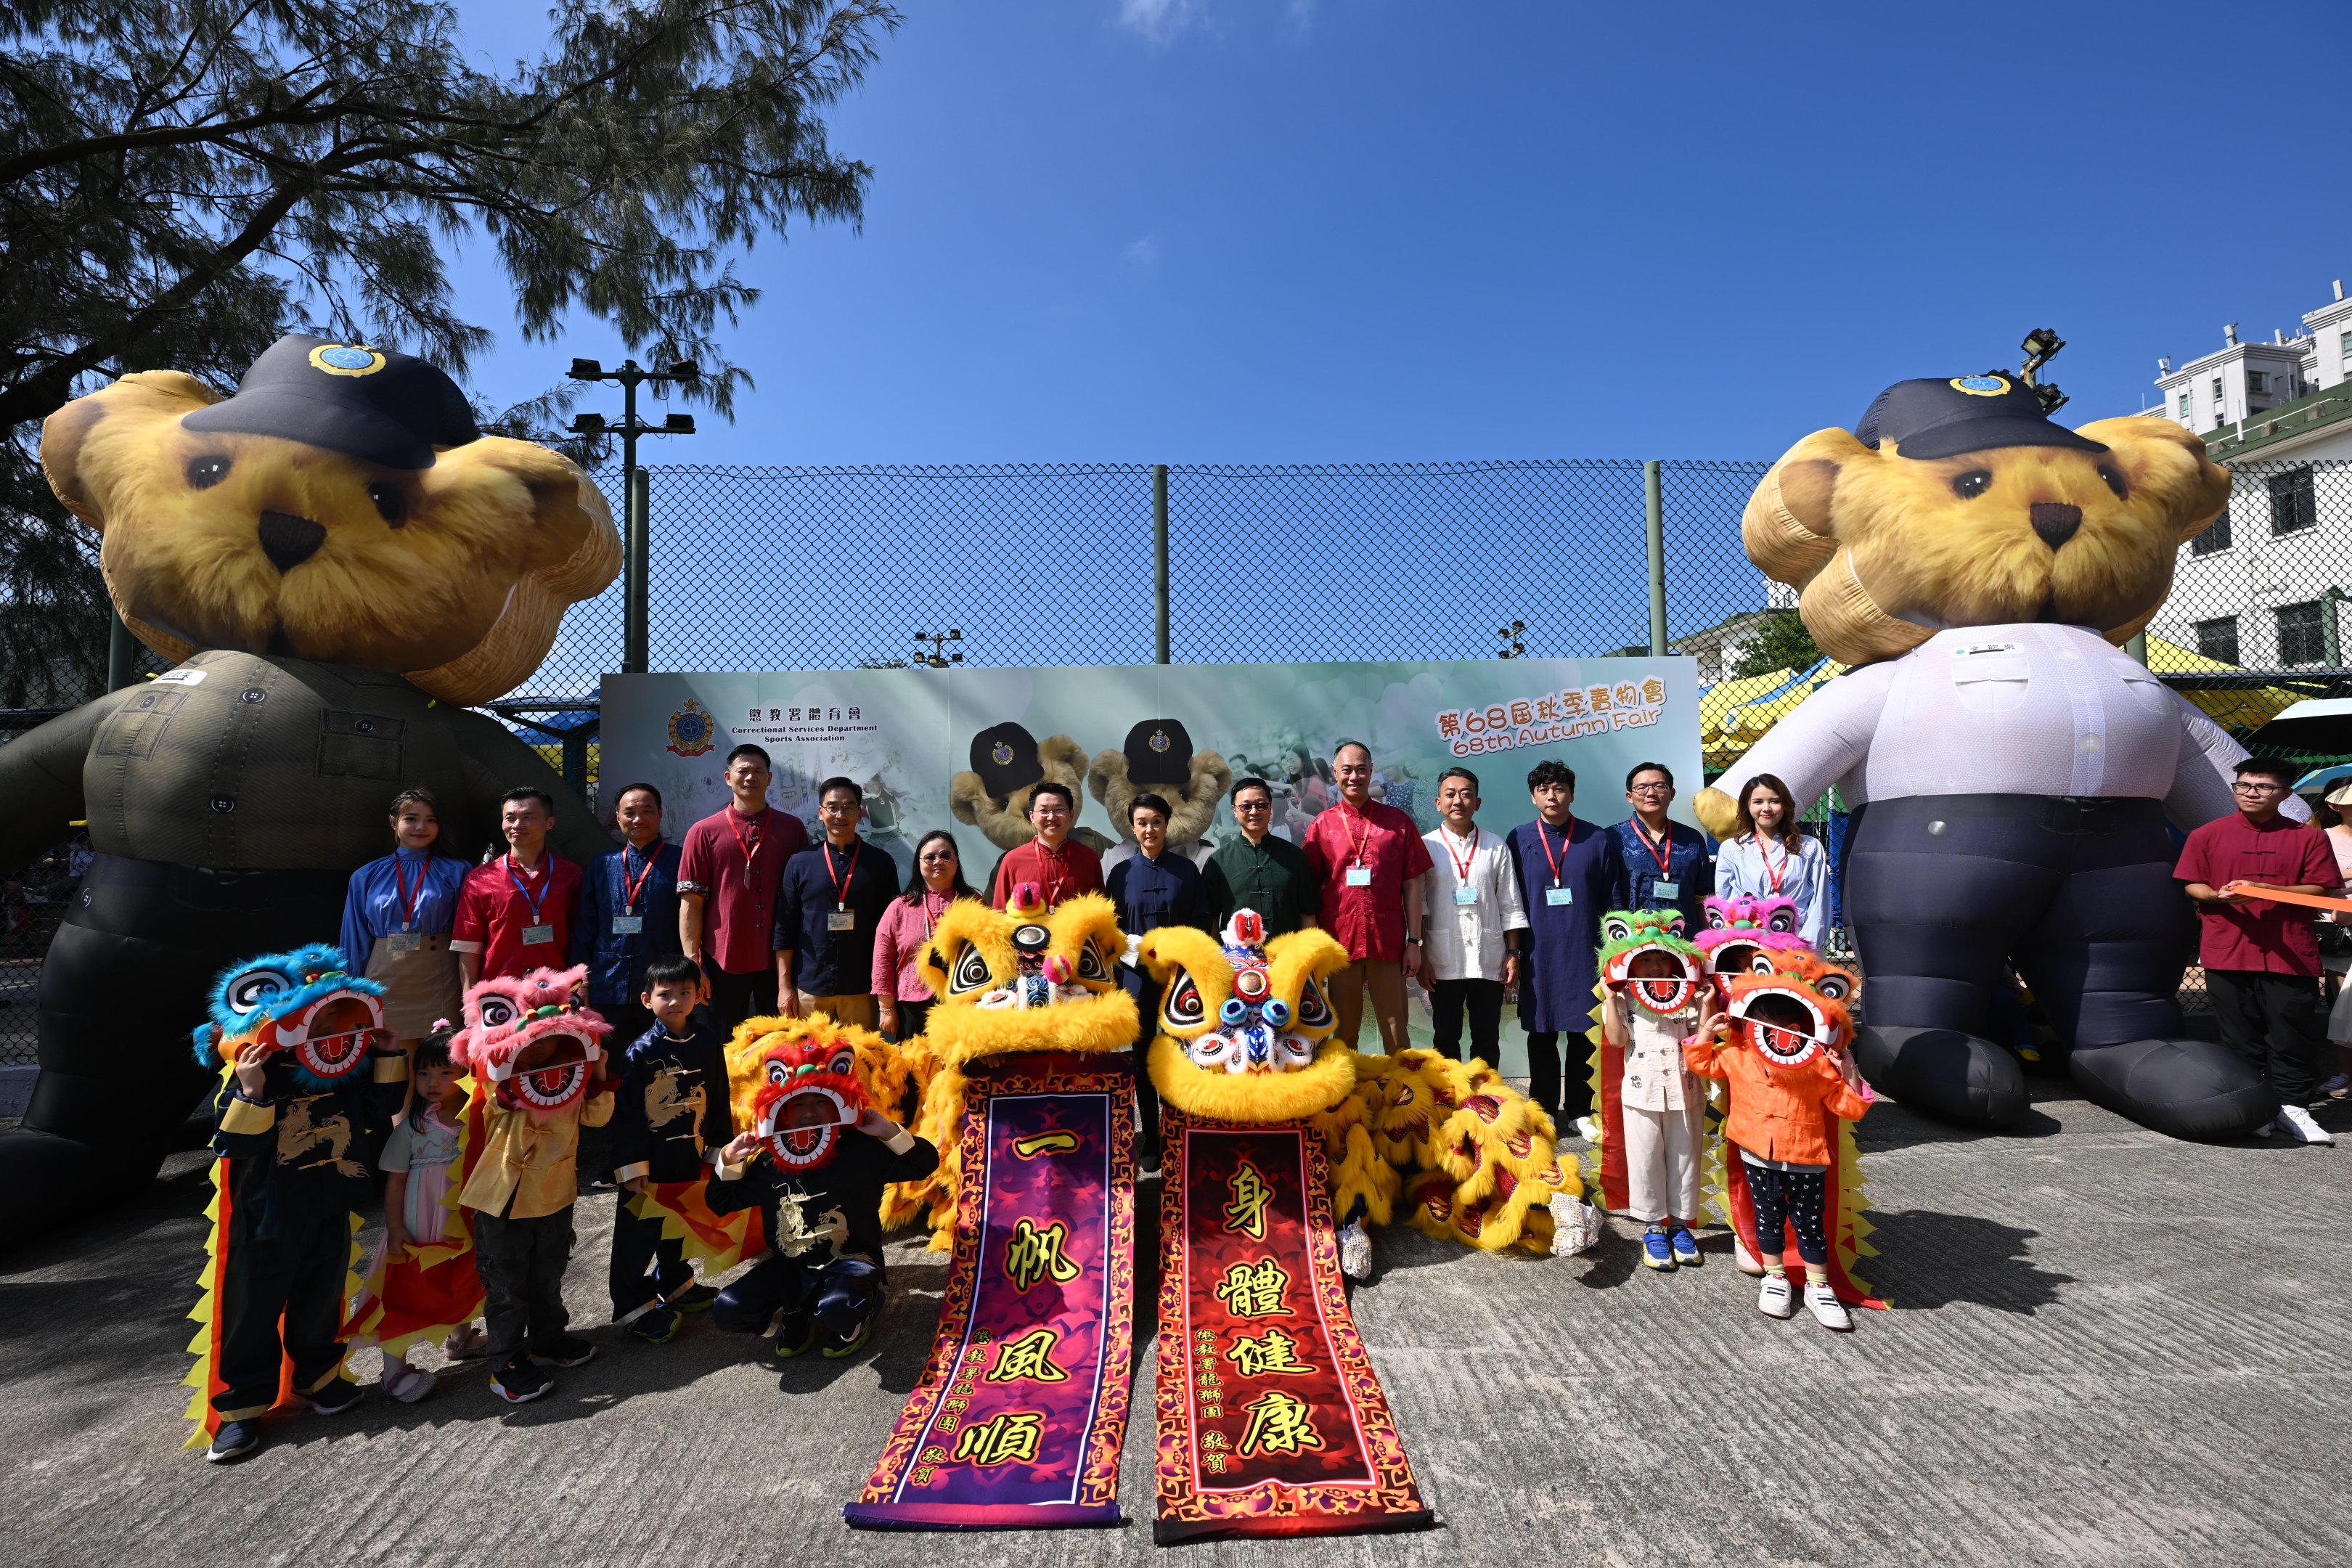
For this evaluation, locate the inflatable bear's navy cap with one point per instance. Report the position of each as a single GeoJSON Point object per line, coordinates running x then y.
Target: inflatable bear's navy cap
{"type": "Point", "coordinates": [1159, 750]}
{"type": "Point", "coordinates": [1932, 419]}
{"type": "Point", "coordinates": [1005, 758]}
{"type": "Point", "coordinates": [390, 410]}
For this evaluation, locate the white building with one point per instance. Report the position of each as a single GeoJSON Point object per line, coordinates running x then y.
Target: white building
{"type": "Point", "coordinates": [2266, 586]}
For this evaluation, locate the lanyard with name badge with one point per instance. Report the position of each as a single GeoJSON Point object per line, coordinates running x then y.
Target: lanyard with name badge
{"type": "Point", "coordinates": [1052, 888]}
{"type": "Point", "coordinates": [1764, 856]}
{"type": "Point", "coordinates": [405, 939]}
{"type": "Point", "coordinates": [628, 922]}
{"type": "Point", "coordinates": [842, 917]}
{"type": "Point", "coordinates": [1463, 893]}
{"type": "Point", "coordinates": [1556, 894]}
{"type": "Point", "coordinates": [538, 934]}
{"type": "Point", "coordinates": [1663, 852]}
{"type": "Point", "coordinates": [1360, 875]}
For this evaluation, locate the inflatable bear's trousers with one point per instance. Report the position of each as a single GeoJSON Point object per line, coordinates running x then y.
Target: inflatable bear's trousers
{"type": "Point", "coordinates": [121, 991]}
{"type": "Point", "coordinates": [2078, 895]}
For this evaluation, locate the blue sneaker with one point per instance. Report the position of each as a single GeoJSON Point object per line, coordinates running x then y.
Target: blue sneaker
{"type": "Point", "coordinates": [1685, 1245]}
{"type": "Point", "coordinates": [1655, 1252]}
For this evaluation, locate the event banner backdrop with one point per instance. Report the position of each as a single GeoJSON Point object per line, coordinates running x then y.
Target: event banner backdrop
{"type": "Point", "coordinates": [903, 733]}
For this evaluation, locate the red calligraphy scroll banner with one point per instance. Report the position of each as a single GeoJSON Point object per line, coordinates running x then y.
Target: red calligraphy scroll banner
{"type": "Point", "coordinates": [1018, 1419]}
{"type": "Point", "coordinates": [1271, 1422]}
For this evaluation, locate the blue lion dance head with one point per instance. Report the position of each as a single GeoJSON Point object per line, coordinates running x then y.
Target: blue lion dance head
{"type": "Point", "coordinates": [303, 1002]}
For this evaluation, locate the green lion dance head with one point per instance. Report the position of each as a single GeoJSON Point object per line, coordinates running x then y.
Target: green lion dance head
{"type": "Point", "coordinates": [1644, 953]}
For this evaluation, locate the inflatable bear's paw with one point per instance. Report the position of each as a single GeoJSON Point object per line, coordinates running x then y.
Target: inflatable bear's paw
{"type": "Point", "coordinates": [2183, 1089]}
{"type": "Point", "coordinates": [1944, 1073]}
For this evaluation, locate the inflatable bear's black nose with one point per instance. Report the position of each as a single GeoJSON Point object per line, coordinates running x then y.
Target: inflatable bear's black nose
{"type": "Point", "coordinates": [2055, 521]}
{"type": "Point", "coordinates": [289, 540]}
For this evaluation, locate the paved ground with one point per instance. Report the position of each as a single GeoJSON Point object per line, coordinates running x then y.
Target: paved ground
{"type": "Point", "coordinates": [2106, 1348]}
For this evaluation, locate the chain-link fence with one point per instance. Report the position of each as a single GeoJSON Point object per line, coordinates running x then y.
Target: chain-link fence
{"type": "Point", "coordinates": [761, 568]}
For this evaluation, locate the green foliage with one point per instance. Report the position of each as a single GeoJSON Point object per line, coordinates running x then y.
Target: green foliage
{"type": "Point", "coordinates": [181, 181]}
{"type": "Point", "coordinates": [1780, 642]}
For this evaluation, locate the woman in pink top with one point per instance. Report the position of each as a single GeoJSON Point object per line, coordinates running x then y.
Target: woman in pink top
{"type": "Point", "coordinates": [903, 999]}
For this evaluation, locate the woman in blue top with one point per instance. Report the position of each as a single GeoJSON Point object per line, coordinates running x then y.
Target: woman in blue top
{"type": "Point", "coordinates": [1772, 856]}
{"type": "Point", "coordinates": [396, 921]}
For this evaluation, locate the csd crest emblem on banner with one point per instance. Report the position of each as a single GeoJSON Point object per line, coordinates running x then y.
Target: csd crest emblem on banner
{"type": "Point", "coordinates": [692, 732]}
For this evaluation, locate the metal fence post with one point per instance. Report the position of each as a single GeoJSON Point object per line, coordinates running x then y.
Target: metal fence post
{"type": "Point", "coordinates": [122, 654]}
{"type": "Point", "coordinates": [1653, 507]}
{"type": "Point", "coordinates": [635, 613]}
{"type": "Point", "coordinates": [1160, 555]}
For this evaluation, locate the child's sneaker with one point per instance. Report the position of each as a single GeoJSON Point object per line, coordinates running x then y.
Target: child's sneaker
{"type": "Point", "coordinates": [656, 1325]}
{"type": "Point", "coordinates": [1776, 1299]}
{"type": "Point", "coordinates": [467, 1342]}
{"type": "Point", "coordinates": [2296, 1120]}
{"type": "Point", "coordinates": [696, 1297]}
{"type": "Point", "coordinates": [518, 1382]}
{"type": "Point", "coordinates": [1827, 1309]}
{"type": "Point", "coordinates": [1685, 1245]}
{"type": "Point", "coordinates": [1743, 1259]}
{"type": "Point", "coordinates": [1655, 1251]}
{"type": "Point", "coordinates": [569, 1351]}
{"type": "Point", "coordinates": [834, 1348]}
{"type": "Point", "coordinates": [1589, 1129]}
{"type": "Point", "coordinates": [794, 1334]}
{"type": "Point", "coordinates": [234, 1441]}
{"type": "Point", "coordinates": [339, 1395]}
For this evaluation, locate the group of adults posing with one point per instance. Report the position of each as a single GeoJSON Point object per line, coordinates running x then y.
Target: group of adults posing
{"type": "Point", "coordinates": [780, 924]}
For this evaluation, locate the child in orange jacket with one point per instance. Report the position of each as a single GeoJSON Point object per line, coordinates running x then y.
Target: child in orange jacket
{"type": "Point", "coordinates": [1780, 1050]}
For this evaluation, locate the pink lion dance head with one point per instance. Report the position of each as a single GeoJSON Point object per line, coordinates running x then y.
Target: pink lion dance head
{"type": "Point", "coordinates": [1742, 933]}
{"type": "Point", "coordinates": [529, 1037]}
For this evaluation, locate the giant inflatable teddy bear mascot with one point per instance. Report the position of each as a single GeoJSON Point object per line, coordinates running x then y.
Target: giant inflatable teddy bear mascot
{"type": "Point", "coordinates": [340, 560]}
{"type": "Point", "coordinates": [2012, 772]}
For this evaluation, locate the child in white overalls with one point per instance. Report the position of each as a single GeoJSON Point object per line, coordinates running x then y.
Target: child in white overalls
{"type": "Point", "coordinates": [1662, 1107]}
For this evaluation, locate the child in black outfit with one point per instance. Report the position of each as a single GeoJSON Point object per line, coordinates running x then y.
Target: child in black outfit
{"type": "Point", "coordinates": [668, 1124]}
{"type": "Point", "coordinates": [816, 1162]}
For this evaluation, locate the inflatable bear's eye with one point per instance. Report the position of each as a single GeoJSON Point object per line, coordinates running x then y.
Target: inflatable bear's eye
{"type": "Point", "coordinates": [391, 502]}
{"type": "Point", "coordinates": [206, 471]}
{"type": "Point", "coordinates": [970, 973]}
{"type": "Point", "coordinates": [496, 1012]}
{"type": "Point", "coordinates": [253, 988]}
{"type": "Point", "coordinates": [2114, 476]}
{"type": "Point", "coordinates": [1183, 1007]}
{"type": "Point", "coordinates": [1972, 484]}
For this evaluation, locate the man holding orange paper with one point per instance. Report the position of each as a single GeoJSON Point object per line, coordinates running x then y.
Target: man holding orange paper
{"type": "Point", "coordinates": [2261, 957]}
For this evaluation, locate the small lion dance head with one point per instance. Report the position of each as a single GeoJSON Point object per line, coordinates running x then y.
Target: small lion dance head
{"type": "Point", "coordinates": [530, 1037]}
{"type": "Point", "coordinates": [1643, 954]}
{"type": "Point", "coordinates": [1795, 1013]}
{"type": "Point", "coordinates": [300, 1003]}
{"type": "Point", "coordinates": [795, 1082]}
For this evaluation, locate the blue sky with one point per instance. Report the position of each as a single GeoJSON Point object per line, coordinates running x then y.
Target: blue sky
{"type": "Point", "coordinates": [1240, 230]}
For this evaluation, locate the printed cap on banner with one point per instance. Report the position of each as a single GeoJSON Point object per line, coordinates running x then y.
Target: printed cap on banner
{"type": "Point", "coordinates": [1943, 418]}
{"type": "Point", "coordinates": [1159, 750]}
{"type": "Point", "coordinates": [1005, 757]}
{"type": "Point", "coordinates": [381, 407]}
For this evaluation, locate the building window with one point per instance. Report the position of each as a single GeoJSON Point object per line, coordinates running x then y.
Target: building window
{"type": "Point", "coordinates": [2221, 412]}
{"type": "Point", "coordinates": [2189, 418]}
{"type": "Point", "coordinates": [2257, 382]}
{"type": "Point", "coordinates": [2214, 538]}
{"type": "Point", "coordinates": [2299, 638]}
{"type": "Point", "coordinates": [2345, 343]}
{"type": "Point", "coordinates": [2219, 638]}
{"type": "Point", "coordinates": [2293, 506]}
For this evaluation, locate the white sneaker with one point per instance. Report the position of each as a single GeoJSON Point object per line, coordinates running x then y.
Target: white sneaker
{"type": "Point", "coordinates": [2335, 1088]}
{"type": "Point", "coordinates": [1827, 1309]}
{"type": "Point", "coordinates": [2294, 1120]}
{"type": "Point", "coordinates": [1589, 1129]}
{"type": "Point", "coordinates": [1776, 1299]}
{"type": "Point", "coordinates": [1743, 1259]}
{"type": "Point", "coordinates": [1356, 1251]}
{"type": "Point", "coordinates": [1575, 1225]}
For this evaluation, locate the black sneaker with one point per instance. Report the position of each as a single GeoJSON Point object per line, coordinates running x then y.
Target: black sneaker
{"type": "Point", "coordinates": [234, 1441]}
{"type": "Point", "coordinates": [696, 1297]}
{"type": "Point", "coordinates": [336, 1397]}
{"type": "Point", "coordinates": [656, 1325]}
{"type": "Point", "coordinates": [569, 1351]}
{"type": "Point", "coordinates": [834, 1347]}
{"type": "Point", "coordinates": [520, 1382]}
{"type": "Point", "coordinates": [794, 1335]}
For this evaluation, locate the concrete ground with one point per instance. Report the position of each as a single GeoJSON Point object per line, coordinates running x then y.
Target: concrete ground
{"type": "Point", "coordinates": [2106, 1347]}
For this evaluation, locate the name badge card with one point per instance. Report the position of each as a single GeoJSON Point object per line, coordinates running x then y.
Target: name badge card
{"type": "Point", "coordinates": [1668, 890]}
{"type": "Point", "coordinates": [628, 925]}
{"type": "Point", "coordinates": [1559, 896]}
{"type": "Point", "coordinates": [841, 920]}
{"type": "Point", "coordinates": [539, 936]}
{"type": "Point", "coordinates": [1360, 876]}
{"type": "Point", "coordinates": [1466, 895]}
{"type": "Point", "coordinates": [401, 941]}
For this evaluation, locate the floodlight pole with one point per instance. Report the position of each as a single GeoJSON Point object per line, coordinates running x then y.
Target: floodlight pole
{"type": "Point", "coordinates": [637, 491]}
{"type": "Point", "coordinates": [1654, 510]}
{"type": "Point", "coordinates": [1160, 557]}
